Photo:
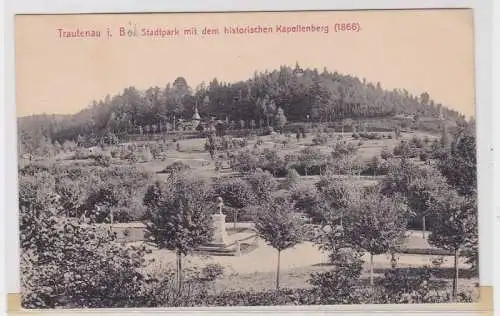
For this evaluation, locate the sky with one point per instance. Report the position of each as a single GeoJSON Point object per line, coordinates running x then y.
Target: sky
{"type": "Point", "coordinates": [417, 50]}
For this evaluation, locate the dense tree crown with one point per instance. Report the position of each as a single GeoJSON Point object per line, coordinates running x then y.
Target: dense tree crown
{"type": "Point", "coordinates": [269, 98]}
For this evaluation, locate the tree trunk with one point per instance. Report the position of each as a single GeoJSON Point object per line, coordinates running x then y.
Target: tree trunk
{"type": "Point", "coordinates": [371, 269]}
{"type": "Point", "coordinates": [423, 227]}
{"type": "Point", "coordinates": [235, 219]}
{"type": "Point", "coordinates": [278, 271]}
{"type": "Point", "coordinates": [179, 272]}
{"type": "Point", "coordinates": [393, 260]}
{"type": "Point", "coordinates": [455, 278]}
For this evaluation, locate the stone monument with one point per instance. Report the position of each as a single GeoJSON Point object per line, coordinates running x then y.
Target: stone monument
{"type": "Point", "coordinates": [219, 220]}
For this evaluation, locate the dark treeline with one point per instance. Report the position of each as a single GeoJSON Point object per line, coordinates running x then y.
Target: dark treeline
{"type": "Point", "coordinates": [301, 95]}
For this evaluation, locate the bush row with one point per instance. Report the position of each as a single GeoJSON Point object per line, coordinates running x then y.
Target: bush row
{"type": "Point", "coordinates": [309, 162]}
{"type": "Point", "coordinates": [313, 296]}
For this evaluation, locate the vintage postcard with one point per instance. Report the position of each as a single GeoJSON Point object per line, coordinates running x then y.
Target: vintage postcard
{"type": "Point", "coordinates": [247, 159]}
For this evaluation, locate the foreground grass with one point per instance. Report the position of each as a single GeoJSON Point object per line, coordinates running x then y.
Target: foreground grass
{"type": "Point", "coordinates": [298, 278]}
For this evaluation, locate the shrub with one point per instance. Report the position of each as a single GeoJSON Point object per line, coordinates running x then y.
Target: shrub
{"type": "Point", "coordinates": [262, 298]}
{"type": "Point", "coordinates": [292, 176]}
{"type": "Point", "coordinates": [342, 149]}
{"type": "Point", "coordinates": [140, 155]}
{"type": "Point", "coordinates": [413, 286]}
{"type": "Point", "coordinates": [212, 271]}
{"type": "Point", "coordinates": [339, 286]}
{"type": "Point", "coordinates": [386, 153]}
{"type": "Point", "coordinates": [406, 149]}
{"type": "Point", "coordinates": [424, 156]}
{"type": "Point", "coordinates": [399, 286]}
{"type": "Point", "coordinates": [376, 167]}
{"type": "Point", "coordinates": [79, 266]}
{"type": "Point", "coordinates": [268, 130]}
{"type": "Point", "coordinates": [263, 185]}
{"type": "Point", "coordinates": [102, 160]}
{"type": "Point", "coordinates": [424, 251]}
{"type": "Point", "coordinates": [310, 161]}
{"type": "Point", "coordinates": [115, 153]}
{"type": "Point", "coordinates": [81, 153]}
{"type": "Point", "coordinates": [304, 195]}
{"type": "Point", "coordinates": [160, 289]}
{"type": "Point", "coordinates": [177, 166]}
{"type": "Point", "coordinates": [320, 139]}
{"type": "Point", "coordinates": [269, 160]}
{"type": "Point", "coordinates": [417, 142]}
{"type": "Point", "coordinates": [245, 161]}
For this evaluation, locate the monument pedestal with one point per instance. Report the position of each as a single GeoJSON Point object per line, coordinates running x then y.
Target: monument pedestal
{"type": "Point", "coordinates": [220, 234]}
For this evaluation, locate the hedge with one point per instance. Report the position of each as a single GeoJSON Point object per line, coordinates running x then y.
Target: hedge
{"type": "Point", "coordinates": [425, 251]}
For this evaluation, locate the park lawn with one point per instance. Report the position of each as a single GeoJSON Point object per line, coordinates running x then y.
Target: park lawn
{"type": "Point", "coordinates": [192, 151]}
{"type": "Point", "coordinates": [298, 278]}
{"type": "Point", "coordinates": [257, 269]}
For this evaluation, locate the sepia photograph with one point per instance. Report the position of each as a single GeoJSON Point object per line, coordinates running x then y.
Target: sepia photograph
{"type": "Point", "coordinates": [171, 160]}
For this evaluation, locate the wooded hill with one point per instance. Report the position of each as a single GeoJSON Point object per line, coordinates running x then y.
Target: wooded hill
{"type": "Point", "coordinates": [302, 95]}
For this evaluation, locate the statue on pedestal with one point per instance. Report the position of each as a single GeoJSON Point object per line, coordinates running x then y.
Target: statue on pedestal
{"type": "Point", "coordinates": [219, 219]}
{"type": "Point", "coordinates": [220, 204]}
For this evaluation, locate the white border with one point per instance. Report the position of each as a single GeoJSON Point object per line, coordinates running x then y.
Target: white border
{"type": "Point", "coordinates": [496, 144]}
{"type": "Point", "coordinates": [484, 111]}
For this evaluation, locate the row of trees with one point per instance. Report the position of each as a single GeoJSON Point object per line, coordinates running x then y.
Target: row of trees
{"type": "Point", "coordinates": [264, 98]}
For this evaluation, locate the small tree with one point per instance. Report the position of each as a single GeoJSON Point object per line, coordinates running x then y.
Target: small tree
{"type": "Point", "coordinates": [236, 193]}
{"type": "Point", "coordinates": [459, 163]}
{"type": "Point", "coordinates": [309, 157]}
{"type": "Point", "coordinates": [304, 195]}
{"type": "Point", "coordinates": [375, 224]}
{"type": "Point", "coordinates": [397, 132]}
{"type": "Point", "coordinates": [454, 226]}
{"type": "Point", "coordinates": [337, 195]}
{"type": "Point", "coordinates": [263, 185]}
{"type": "Point", "coordinates": [422, 190]}
{"type": "Point", "coordinates": [279, 227]}
{"type": "Point", "coordinates": [178, 218]}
